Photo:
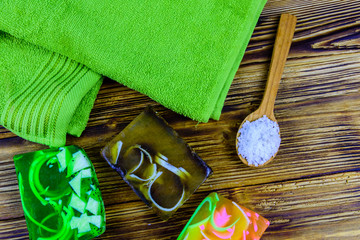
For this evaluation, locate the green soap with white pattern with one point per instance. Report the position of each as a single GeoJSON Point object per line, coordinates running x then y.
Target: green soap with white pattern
{"type": "Point", "coordinates": [60, 194]}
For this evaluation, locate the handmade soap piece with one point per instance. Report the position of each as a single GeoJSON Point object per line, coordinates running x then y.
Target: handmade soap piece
{"type": "Point", "coordinates": [218, 218]}
{"type": "Point", "coordinates": [60, 194]}
{"type": "Point", "coordinates": [158, 165]}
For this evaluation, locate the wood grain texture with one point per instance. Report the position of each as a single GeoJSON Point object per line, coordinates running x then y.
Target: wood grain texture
{"type": "Point", "coordinates": [311, 190]}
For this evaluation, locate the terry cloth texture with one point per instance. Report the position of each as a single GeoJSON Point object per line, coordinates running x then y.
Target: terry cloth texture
{"type": "Point", "coordinates": [183, 54]}
{"type": "Point", "coordinates": [44, 95]}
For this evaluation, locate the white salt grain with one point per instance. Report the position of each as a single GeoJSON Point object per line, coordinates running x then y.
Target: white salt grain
{"type": "Point", "coordinates": [259, 140]}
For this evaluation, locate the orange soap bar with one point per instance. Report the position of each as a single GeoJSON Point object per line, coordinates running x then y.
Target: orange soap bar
{"type": "Point", "coordinates": [218, 218]}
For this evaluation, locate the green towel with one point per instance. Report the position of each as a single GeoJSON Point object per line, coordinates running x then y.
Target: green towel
{"type": "Point", "coordinates": [44, 95]}
{"type": "Point", "coordinates": [183, 54]}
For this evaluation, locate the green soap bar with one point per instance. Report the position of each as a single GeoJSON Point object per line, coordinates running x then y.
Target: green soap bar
{"type": "Point", "coordinates": [60, 194]}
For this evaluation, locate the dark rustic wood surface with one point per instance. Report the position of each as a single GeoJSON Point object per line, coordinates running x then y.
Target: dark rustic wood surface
{"type": "Point", "coordinates": [311, 190]}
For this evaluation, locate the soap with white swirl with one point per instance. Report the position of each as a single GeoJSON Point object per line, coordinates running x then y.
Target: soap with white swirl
{"type": "Point", "coordinates": [156, 162]}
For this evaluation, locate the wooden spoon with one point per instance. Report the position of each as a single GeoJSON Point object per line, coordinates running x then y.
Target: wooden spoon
{"type": "Point", "coordinates": [282, 44]}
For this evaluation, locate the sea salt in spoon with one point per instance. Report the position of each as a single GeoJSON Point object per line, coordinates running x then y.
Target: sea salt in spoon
{"type": "Point", "coordinates": [282, 44]}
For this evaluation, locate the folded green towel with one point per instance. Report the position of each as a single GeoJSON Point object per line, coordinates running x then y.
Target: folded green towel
{"type": "Point", "coordinates": [183, 54]}
{"type": "Point", "coordinates": [44, 95]}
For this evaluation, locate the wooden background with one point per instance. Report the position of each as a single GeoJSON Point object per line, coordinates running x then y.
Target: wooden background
{"type": "Point", "coordinates": [312, 188]}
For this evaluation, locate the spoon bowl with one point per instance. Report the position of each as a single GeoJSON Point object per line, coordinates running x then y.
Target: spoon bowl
{"type": "Point", "coordinates": [282, 45]}
{"type": "Point", "coordinates": [252, 117]}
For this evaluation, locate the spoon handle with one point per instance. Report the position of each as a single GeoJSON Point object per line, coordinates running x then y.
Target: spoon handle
{"type": "Point", "coordinates": [282, 44]}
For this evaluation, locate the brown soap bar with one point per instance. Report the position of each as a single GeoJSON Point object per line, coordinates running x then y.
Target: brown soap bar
{"type": "Point", "coordinates": [157, 164]}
